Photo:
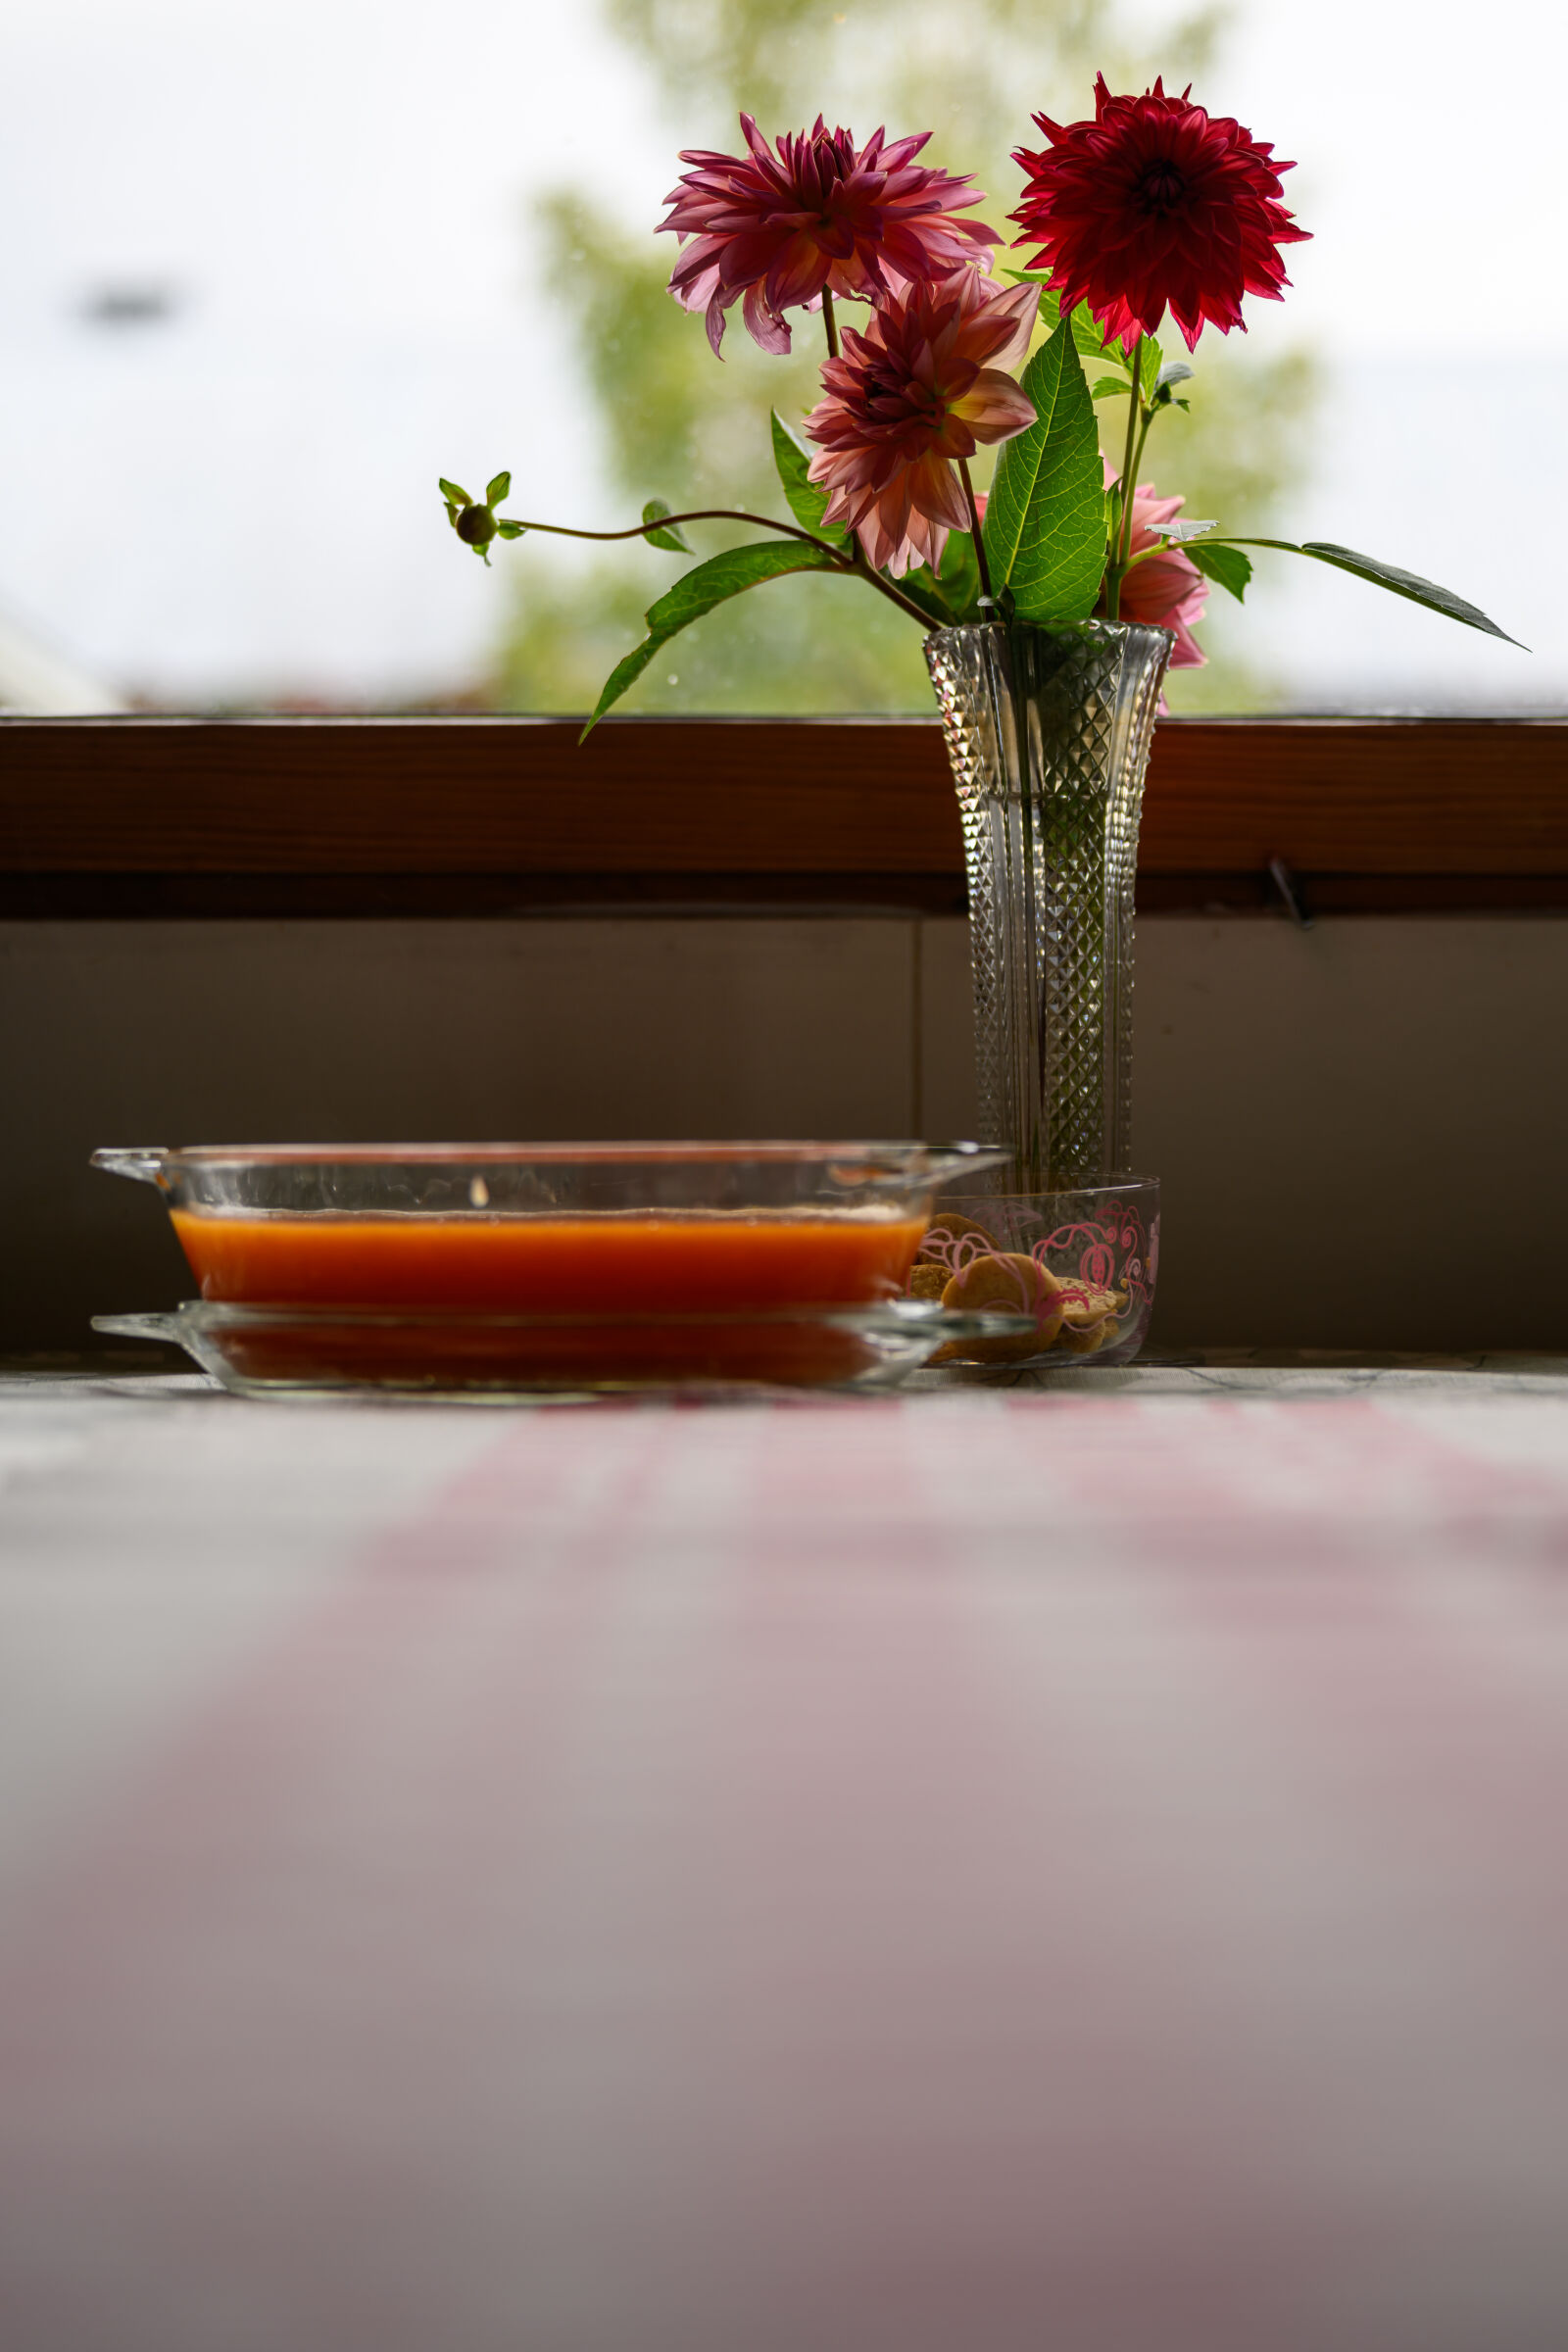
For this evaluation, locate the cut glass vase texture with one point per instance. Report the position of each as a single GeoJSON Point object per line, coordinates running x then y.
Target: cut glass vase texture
{"type": "Point", "coordinates": [1047, 732]}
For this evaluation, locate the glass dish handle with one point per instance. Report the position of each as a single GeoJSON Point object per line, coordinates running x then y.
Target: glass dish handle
{"type": "Point", "coordinates": [144, 1163]}
{"type": "Point", "coordinates": [140, 1327]}
{"type": "Point", "coordinates": [941, 1164]}
{"type": "Point", "coordinates": [949, 1160]}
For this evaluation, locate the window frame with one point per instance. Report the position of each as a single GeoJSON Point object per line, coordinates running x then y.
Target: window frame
{"type": "Point", "coordinates": [479, 815]}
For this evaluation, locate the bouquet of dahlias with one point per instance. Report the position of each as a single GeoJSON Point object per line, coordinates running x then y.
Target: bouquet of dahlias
{"type": "Point", "coordinates": [1151, 207]}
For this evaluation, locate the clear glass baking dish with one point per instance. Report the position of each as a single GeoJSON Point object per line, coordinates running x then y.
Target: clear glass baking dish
{"type": "Point", "coordinates": [324, 1351]}
{"type": "Point", "coordinates": [517, 1267]}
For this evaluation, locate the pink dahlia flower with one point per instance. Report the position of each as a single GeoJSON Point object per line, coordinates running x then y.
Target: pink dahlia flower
{"type": "Point", "coordinates": [780, 228]}
{"type": "Point", "coordinates": [921, 387]}
{"type": "Point", "coordinates": [1155, 203]}
{"type": "Point", "coordinates": [1166, 591]}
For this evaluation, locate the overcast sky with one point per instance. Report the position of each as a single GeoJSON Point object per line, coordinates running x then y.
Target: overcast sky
{"type": "Point", "coordinates": [334, 194]}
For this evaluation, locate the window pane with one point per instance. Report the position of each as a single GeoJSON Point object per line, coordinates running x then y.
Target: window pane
{"type": "Point", "coordinates": [271, 269]}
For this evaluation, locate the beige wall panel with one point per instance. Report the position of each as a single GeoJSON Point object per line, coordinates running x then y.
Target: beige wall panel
{"type": "Point", "coordinates": [1361, 1129]}
{"type": "Point", "coordinates": [170, 1032]}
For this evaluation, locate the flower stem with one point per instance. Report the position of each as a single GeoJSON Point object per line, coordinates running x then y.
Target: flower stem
{"type": "Point", "coordinates": [896, 596]}
{"type": "Point", "coordinates": [831, 323]}
{"type": "Point", "coordinates": [846, 561]}
{"type": "Point", "coordinates": [663, 522]}
{"type": "Point", "coordinates": [1118, 561]}
{"type": "Point", "coordinates": [1138, 468]}
{"type": "Point", "coordinates": [1129, 464]}
{"type": "Point", "coordinates": [975, 531]}
{"type": "Point", "coordinates": [865, 570]}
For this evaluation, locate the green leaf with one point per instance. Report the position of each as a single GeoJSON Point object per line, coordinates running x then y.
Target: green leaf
{"type": "Point", "coordinates": [920, 587]}
{"type": "Point", "coordinates": [1410, 584]}
{"type": "Point", "coordinates": [1109, 387]}
{"type": "Point", "coordinates": [511, 531]}
{"type": "Point", "coordinates": [500, 487]}
{"type": "Point", "coordinates": [450, 492]}
{"type": "Point", "coordinates": [1227, 567]}
{"type": "Point", "coordinates": [674, 538]}
{"type": "Point", "coordinates": [1044, 528]}
{"type": "Point", "coordinates": [1092, 343]}
{"type": "Point", "coordinates": [1384, 575]}
{"type": "Point", "coordinates": [1088, 334]}
{"type": "Point", "coordinates": [1148, 369]}
{"type": "Point", "coordinates": [1090, 339]}
{"type": "Point", "coordinates": [807, 502]}
{"type": "Point", "coordinates": [697, 592]}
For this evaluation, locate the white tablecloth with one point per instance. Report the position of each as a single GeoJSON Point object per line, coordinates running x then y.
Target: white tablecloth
{"type": "Point", "coordinates": [976, 1872]}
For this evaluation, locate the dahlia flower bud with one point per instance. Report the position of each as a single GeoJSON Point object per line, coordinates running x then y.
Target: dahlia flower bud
{"type": "Point", "coordinates": [476, 527]}
{"type": "Point", "coordinates": [474, 519]}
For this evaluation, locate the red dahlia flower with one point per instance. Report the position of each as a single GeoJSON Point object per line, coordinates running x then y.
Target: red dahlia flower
{"type": "Point", "coordinates": [1155, 205]}
{"type": "Point", "coordinates": [780, 228]}
{"type": "Point", "coordinates": [923, 385]}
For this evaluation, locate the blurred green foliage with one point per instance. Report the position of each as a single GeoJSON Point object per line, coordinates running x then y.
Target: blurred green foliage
{"type": "Point", "coordinates": [678, 426]}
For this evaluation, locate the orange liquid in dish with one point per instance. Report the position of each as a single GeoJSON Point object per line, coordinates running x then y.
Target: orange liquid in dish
{"type": "Point", "coordinates": [545, 1265]}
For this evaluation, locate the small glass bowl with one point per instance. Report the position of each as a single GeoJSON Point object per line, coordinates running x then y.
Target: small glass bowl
{"type": "Point", "coordinates": [1079, 1266]}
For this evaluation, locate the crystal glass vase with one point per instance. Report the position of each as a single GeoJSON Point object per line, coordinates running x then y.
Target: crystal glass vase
{"type": "Point", "coordinates": [1048, 731]}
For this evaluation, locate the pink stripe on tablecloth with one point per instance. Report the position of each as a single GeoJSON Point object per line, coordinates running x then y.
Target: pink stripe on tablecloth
{"type": "Point", "coordinates": [970, 2095]}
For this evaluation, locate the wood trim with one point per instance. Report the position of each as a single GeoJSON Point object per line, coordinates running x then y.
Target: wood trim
{"type": "Point", "coordinates": [447, 816]}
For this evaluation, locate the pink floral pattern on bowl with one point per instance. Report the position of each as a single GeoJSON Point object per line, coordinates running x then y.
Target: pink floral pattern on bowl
{"type": "Point", "coordinates": [1099, 1246]}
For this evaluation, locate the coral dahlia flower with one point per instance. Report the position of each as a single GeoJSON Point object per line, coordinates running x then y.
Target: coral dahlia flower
{"type": "Point", "coordinates": [779, 227]}
{"type": "Point", "coordinates": [1156, 206]}
{"type": "Point", "coordinates": [922, 386]}
{"type": "Point", "coordinates": [1166, 591]}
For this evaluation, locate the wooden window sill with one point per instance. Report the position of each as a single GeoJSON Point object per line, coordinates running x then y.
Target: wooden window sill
{"type": "Point", "coordinates": [443, 816]}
